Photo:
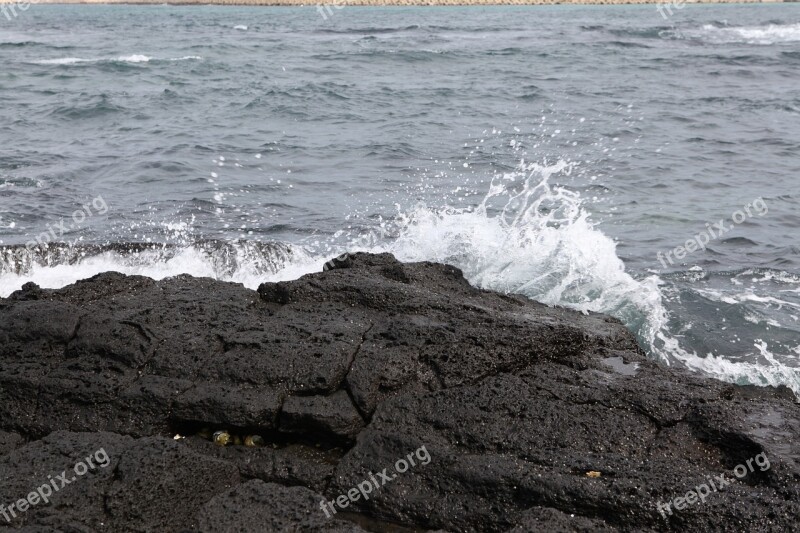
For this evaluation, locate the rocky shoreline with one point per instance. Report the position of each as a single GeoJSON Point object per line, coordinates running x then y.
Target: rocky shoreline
{"type": "Point", "coordinates": [531, 418]}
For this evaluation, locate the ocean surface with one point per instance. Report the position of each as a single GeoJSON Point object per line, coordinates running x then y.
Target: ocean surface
{"type": "Point", "coordinates": [563, 152]}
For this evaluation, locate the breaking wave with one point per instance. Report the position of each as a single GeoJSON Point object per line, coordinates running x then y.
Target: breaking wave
{"type": "Point", "coordinates": [762, 35]}
{"type": "Point", "coordinates": [135, 58]}
{"type": "Point", "coordinates": [59, 264]}
{"type": "Point", "coordinates": [527, 236]}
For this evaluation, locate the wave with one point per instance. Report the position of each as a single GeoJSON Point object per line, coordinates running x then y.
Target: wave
{"type": "Point", "coordinates": [19, 44]}
{"type": "Point", "coordinates": [655, 32]}
{"type": "Point", "coordinates": [11, 181]}
{"type": "Point", "coordinates": [425, 54]}
{"type": "Point", "coordinates": [760, 35]}
{"type": "Point", "coordinates": [23, 44]}
{"type": "Point", "coordinates": [135, 58]}
{"type": "Point", "coordinates": [368, 30]}
{"type": "Point", "coordinates": [715, 33]}
{"type": "Point", "coordinates": [527, 236]}
{"type": "Point", "coordinates": [58, 264]}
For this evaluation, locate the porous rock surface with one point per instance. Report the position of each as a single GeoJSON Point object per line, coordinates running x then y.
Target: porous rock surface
{"type": "Point", "coordinates": [345, 372]}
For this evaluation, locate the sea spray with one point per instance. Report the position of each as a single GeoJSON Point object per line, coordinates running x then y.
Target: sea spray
{"type": "Point", "coordinates": [530, 237]}
{"type": "Point", "coordinates": [527, 236]}
{"type": "Point", "coordinates": [534, 238]}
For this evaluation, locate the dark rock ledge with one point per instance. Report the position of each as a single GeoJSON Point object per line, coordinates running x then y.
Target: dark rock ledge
{"type": "Point", "coordinates": [343, 373]}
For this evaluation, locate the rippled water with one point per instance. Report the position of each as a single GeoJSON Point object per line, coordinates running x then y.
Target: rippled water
{"type": "Point", "coordinates": [560, 152]}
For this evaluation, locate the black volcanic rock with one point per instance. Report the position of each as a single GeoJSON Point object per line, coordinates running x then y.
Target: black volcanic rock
{"type": "Point", "coordinates": [507, 415]}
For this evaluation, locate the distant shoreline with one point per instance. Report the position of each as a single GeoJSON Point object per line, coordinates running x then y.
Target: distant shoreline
{"type": "Point", "coordinates": [408, 3]}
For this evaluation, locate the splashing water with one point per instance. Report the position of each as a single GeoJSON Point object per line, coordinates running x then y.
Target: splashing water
{"type": "Point", "coordinates": [527, 236]}
{"type": "Point", "coordinates": [541, 243]}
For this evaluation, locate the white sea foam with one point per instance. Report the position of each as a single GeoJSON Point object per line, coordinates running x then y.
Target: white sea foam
{"type": "Point", "coordinates": [768, 371]}
{"type": "Point", "coordinates": [61, 61]}
{"type": "Point", "coordinates": [250, 267]}
{"type": "Point", "coordinates": [762, 35]}
{"type": "Point", "coordinates": [134, 58]}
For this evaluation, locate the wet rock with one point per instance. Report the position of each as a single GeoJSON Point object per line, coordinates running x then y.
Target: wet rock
{"type": "Point", "coordinates": [397, 393]}
{"type": "Point", "coordinates": [334, 415]}
{"type": "Point", "coordinates": [49, 465]}
{"type": "Point", "coordinates": [259, 506]}
{"type": "Point", "coordinates": [10, 441]}
{"type": "Point", "coordinates": [160, 485]}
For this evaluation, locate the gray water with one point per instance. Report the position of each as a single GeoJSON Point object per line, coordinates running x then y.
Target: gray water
{"type": "Point", "coordinates": [560, 152]}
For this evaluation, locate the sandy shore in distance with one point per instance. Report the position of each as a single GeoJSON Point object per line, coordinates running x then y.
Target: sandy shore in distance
{"type": "Point", "coordinates": [390, 2]}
